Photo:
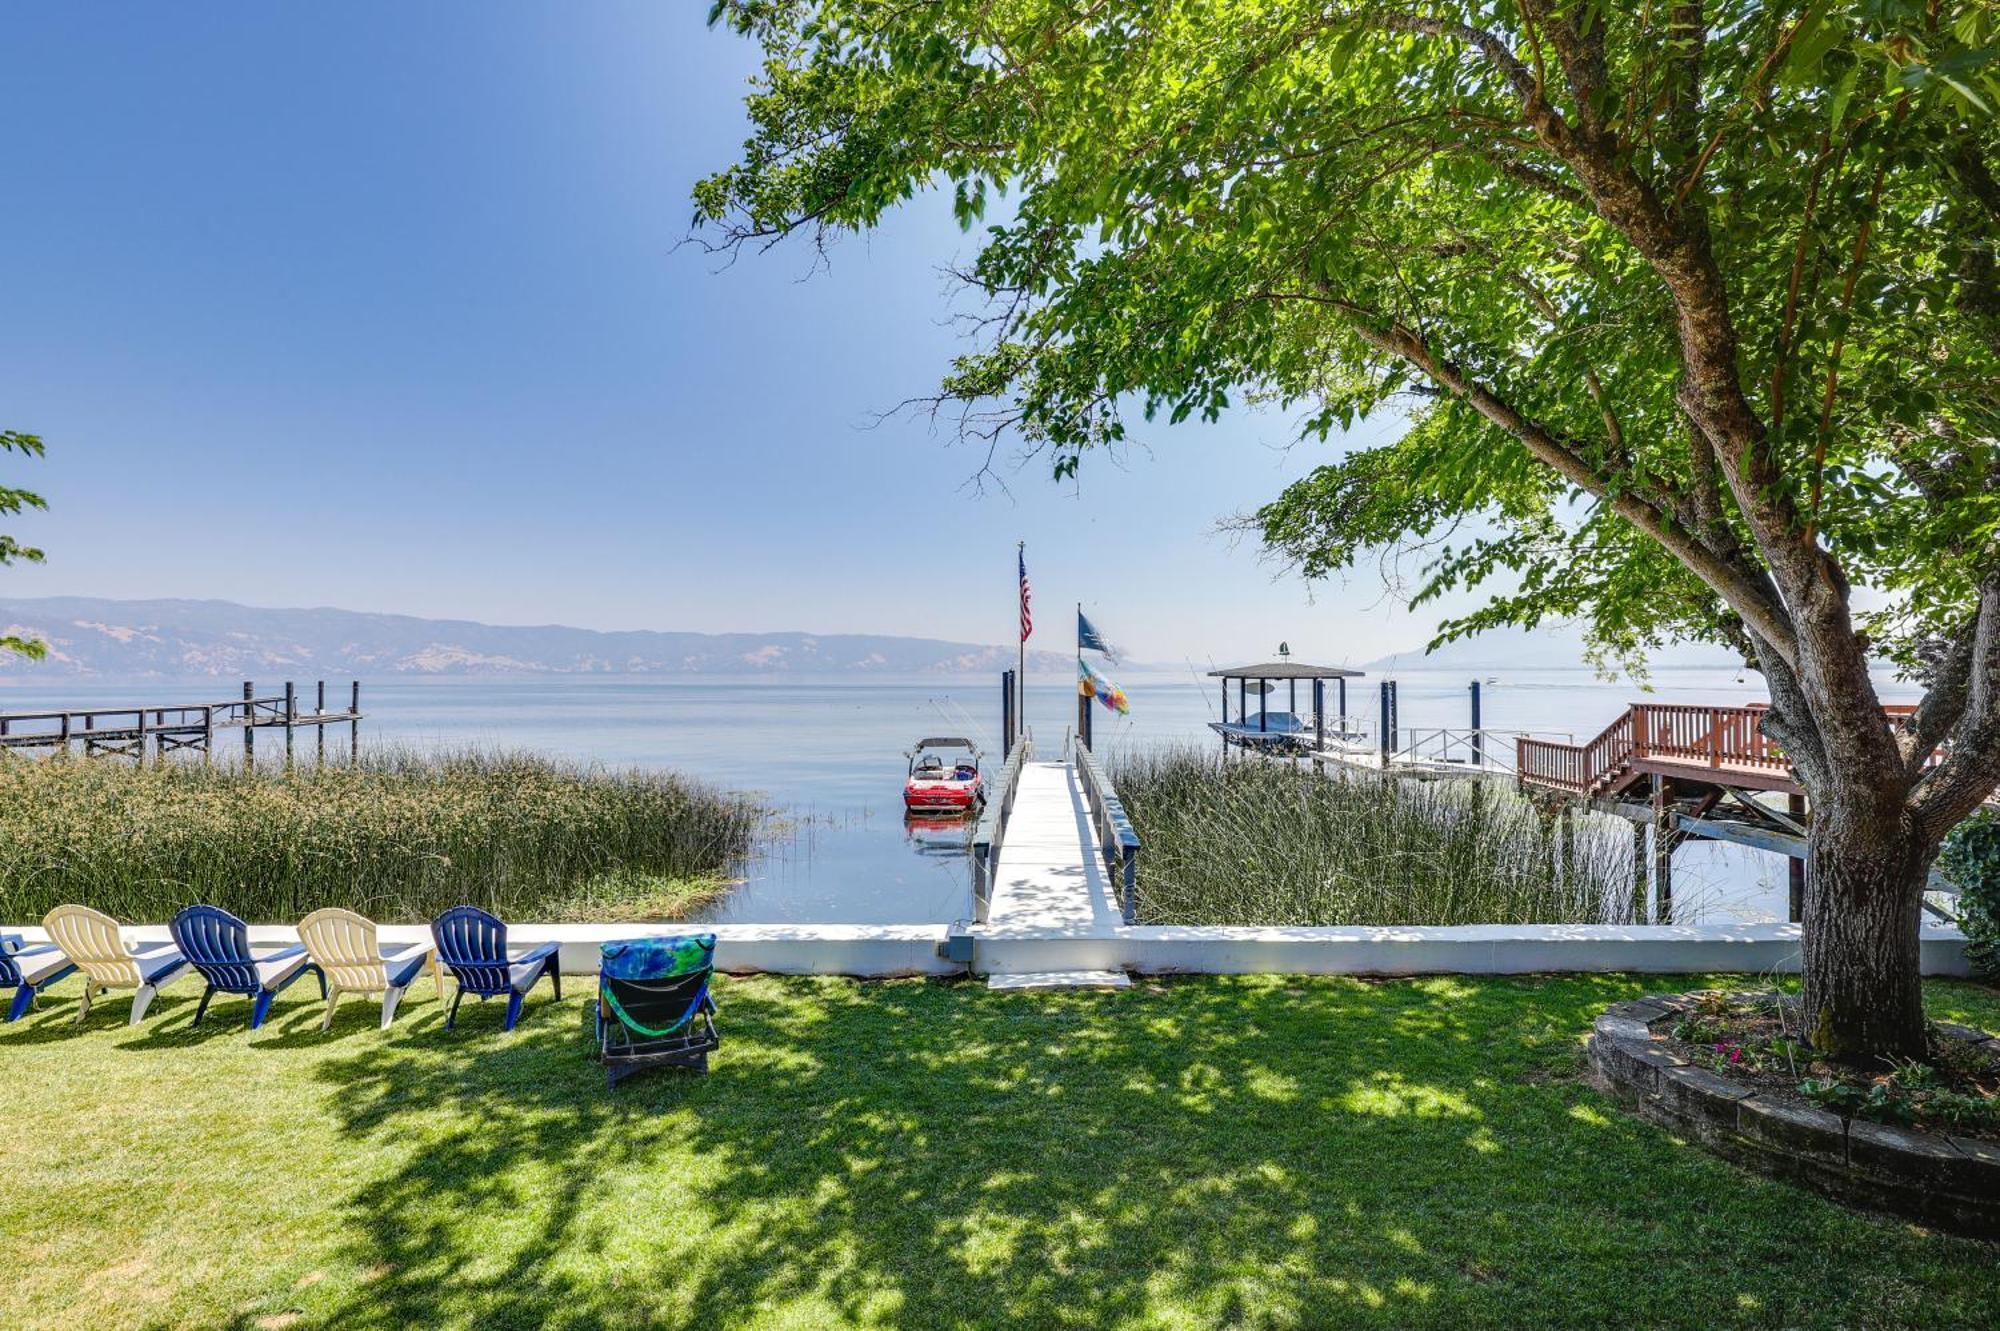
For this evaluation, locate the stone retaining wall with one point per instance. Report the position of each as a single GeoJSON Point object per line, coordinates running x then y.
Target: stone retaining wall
{"type": "Point", "coordinates": [1947, 1181]}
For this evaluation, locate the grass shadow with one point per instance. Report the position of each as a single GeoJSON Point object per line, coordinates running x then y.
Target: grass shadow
{"type": "Point", "coordinates": [1255, 1152]}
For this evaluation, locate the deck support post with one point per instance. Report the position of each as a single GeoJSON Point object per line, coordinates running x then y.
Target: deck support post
{"type": "Point", "coordinates": [1382, 730]}
{"type": "Point", "coordinates": [1638, 872]}
{"type": "Point", "coordinates": [354, 726]}
{"type": "Point", "coordinates": [1795, 866]}
{"type": "Point", "coordinates": [319, 706]}
{"type": "Point", "coordinates": [1663, 854]}
{"type": "Point", "coordinates": [249, 725]}
{"type": "Point", "coordinates": [291, 718]}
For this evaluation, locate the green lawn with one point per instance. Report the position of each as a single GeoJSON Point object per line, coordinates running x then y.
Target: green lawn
{"type": "Point", "coordinates": [1192, 1153]}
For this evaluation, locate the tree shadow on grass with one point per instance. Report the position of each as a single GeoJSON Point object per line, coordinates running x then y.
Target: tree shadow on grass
{"type": "Point", "coordinates": [1228, 1153]}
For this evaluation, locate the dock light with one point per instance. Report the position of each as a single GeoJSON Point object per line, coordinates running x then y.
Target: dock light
{"type": "Point", "coordinates": [1284, 649]}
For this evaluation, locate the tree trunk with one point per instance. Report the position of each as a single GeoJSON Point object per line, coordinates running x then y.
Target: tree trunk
{"type": "Point", "coordinates": [1865, 878]}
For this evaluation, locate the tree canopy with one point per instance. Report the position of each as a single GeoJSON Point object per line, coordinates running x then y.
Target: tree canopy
{"type": "Point", "coordinates": [13, 500]}
{"type": "Point", "coordinates": [1692, 306]}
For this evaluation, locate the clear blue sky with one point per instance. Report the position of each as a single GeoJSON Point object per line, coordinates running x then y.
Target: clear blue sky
{"type": "Point", "coordinates": [379, 306]}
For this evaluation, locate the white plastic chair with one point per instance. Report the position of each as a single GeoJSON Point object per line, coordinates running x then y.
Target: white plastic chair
{"type": "Point", "coordinates": [92, 940]}
{"type": "Point", "coordinates": [344, 945]}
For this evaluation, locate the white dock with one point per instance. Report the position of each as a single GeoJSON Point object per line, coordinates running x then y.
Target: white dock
{"type": "Point", "coordinates": [1051, 876]}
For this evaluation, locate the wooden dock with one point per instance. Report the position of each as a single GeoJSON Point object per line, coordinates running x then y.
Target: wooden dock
{"type": "Point", "coordinates": [129, 731]}
{"type": "Point", "coordinates": [1051, 873]}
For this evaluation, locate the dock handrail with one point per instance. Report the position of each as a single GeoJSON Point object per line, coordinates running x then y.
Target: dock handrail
{"type": "Point", "coordinates": [1473, 750]}
{"type": "Point", "coordinates": [1115, 835]}
{"type": "Point", "coordinates": [991, 830]}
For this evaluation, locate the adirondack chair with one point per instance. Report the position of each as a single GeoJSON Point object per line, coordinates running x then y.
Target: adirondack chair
{"type": "Point", "coordinates": [343, 945]}
{"type": "Point", "coordinates": [473, 946]}
{"type": "Point", "coordinates": [29, 970]}
{"type": "Point", "coordinates": [91, 939]}
{"type": "Point", "coordinates": [217, 944]}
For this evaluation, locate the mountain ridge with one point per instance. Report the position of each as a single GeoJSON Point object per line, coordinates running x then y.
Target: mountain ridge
{"type": "Point", "coordinates": [194, 638]}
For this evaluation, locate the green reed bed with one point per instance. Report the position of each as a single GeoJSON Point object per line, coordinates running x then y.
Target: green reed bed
{"type": "Point", "coordinates": [1252, 841]}
{"type": "Point", "coordinates": [398, 836]}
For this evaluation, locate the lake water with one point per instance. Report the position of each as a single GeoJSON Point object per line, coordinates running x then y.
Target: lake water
{"type": "Point", "coordinates": [828, 754]}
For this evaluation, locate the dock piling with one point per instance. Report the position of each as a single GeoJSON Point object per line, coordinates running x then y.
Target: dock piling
{"type": "Point", "coordinates": [1663, 853]}
{"type": "Point", "coordinates": [1478, 740]}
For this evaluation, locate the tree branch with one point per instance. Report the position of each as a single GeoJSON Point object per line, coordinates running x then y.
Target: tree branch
{"type": "Point", "coordinates": [1743, 594]}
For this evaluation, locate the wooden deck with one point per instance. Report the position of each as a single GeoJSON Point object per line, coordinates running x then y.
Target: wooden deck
{"type": "Point", "coordinates": [1716, 746]}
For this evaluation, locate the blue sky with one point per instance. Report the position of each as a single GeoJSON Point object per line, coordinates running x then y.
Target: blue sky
{"type": "Point", "coordinates": [381, 307]}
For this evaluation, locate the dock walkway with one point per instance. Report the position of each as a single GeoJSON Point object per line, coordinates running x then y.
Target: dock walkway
{"type": "Point", "coordinates": [1051, 875]}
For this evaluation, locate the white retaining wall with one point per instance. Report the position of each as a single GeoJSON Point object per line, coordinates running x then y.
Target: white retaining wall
{"type": "Point", "coordinates": [783, 949]}
{"type": "Point", "coordinates": [1479, 949]}
{"type": "Point", "coordinates": [911, 949]}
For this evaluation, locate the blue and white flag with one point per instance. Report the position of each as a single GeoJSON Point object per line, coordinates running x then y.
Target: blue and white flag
{"type": "Point", "coordinates": [1088, 639]}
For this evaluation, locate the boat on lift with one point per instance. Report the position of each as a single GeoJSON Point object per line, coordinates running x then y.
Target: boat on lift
{"type": "Point", "coordinates": [1273, 732]}
{"type": "Point", "coordinates": [944, 777]}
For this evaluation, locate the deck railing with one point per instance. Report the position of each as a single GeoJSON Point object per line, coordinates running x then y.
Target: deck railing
{"type": "Point", "coordinates": [1115, 835]}
{"type": "Point", "coordinates": [1711, 737]}
{"type": "Point", "coordinates": [991, 829]}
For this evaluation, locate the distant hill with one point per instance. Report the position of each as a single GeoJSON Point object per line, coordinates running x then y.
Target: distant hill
{"type": "Point", "coordinates": [186, 639]}
{"type": "Point", "coordinates": [1541, 649]}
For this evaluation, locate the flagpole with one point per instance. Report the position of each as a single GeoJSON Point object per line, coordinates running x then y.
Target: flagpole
{"type": "Point", "coordinates": [1021, 664]}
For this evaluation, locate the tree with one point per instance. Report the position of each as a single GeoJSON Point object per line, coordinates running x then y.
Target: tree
{"type": "Point", "coordinates": [1692, 307]}
{"type": "Point", "coordinates": [13, 501]}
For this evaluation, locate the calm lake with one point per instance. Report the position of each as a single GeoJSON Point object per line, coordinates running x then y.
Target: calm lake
{"type": "Point", "coordinates": [827, 752]}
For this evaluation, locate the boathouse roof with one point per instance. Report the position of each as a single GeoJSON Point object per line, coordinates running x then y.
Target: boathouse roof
{"type": "Point", "coordinates": [1283, 670]}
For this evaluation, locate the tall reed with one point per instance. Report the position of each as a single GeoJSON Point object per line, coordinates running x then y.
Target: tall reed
{"type": "Point", "coordinates": [1268, 842]}
{"type": "Point", "coordinates": [397, 836]}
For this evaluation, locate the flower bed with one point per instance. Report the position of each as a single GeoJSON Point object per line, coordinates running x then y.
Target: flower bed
{"type": "Point", "coordinates": [1920, 1139]}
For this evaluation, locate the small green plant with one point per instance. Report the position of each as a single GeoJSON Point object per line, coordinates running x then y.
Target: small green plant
{"type": "Point", "coordinates": [1971, 859]}
{"type": "Point", "coordinates": [1698, 1029]}
{"type": "Point", "coordinates": [1912, 1093]}
{"type": "Point", "coordinates": [1878, 1102]}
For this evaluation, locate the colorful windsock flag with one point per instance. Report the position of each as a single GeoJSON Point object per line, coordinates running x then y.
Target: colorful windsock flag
{"type": "Point", "coordinates": [1094, 684]}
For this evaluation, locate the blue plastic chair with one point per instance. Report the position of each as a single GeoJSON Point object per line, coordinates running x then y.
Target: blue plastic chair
{"type": "Point", "coordinates": [472, 944]}
{"type": "Point", "coordinates": [29, 970]}
{"type": "Point", "coordinates": [217, 945]}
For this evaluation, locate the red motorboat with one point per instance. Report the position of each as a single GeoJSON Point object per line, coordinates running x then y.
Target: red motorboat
{"type": "Point", "coordinates": [944, 777]}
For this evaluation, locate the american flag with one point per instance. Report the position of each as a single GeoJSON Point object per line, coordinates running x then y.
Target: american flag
{"type": "Point", "coordinates": [1027, 619]}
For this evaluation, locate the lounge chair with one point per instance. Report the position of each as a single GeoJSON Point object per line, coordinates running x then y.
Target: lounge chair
{"type": "Point", "coordinates": [473, 946]}
{"type": "Point", "coordinates": [343, 945]}
{"type": "Point", "coordinates": [653, 1007]}
{"type": "Point", "coordinates": [29, 970]}
{"type": "Point", "coordinates": [217, 944]}
{"type": "Point", "coordinates": [91, 939]}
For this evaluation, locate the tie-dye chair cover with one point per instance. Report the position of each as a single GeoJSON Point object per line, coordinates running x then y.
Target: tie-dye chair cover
{"type": "Point", "coordinates": [653, 1005]}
